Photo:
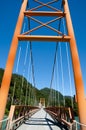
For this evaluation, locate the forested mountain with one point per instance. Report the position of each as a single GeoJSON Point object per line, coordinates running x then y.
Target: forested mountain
{"type": "Point", "coordinates": [22, 92]}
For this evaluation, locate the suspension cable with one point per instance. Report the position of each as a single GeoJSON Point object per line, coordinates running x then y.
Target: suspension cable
{"type": "Point", "coordinates": [32, 63]}
{"type": "Point", "coordinates": [54, 65]}
{"type": "Point", "coordinates": [62, 74]}
{"type": "Point", "coordinates": [51, 90]}
{"type": "Point", "coordinates": [59, 26]}
{"type": "Point", "coordinates": [27, 80]}
{"type": "Point", "coordinates": [21, 88]}
{"type": "Point", "coordinates": [31, 54]}
{"type": "Point", "coordinates": [18, 60]}
{"type": "Point", "coordinates": [57, 77]}
{"type": "Point", "coordinates": [55, 58]}
{"type": "Point", "coordinates": [68, 63]}
{"type": "Point", "coordinates": [16, 72]}
{"type": "Point", "coordinates": [55, 86]}
{"type": "Point", "coordinates": [70, 82]}
{"type": "Point", "coordinates": [25, 58]}
{"type": "Point", "coordinates": [27, 100]}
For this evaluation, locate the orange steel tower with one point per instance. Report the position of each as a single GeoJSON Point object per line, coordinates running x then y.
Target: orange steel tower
{"type": "Point", "coordinates": [69, 37]}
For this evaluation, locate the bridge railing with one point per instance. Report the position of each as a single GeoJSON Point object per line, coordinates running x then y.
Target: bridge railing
{"type": "Point", "coordinates": [18, 114]}
{"type": "Point", "coordinates": [64, 115]}
{"type": "Point", "coordinates": [79, 125]}
{"type": "Point", "coordinates": [3, 123]}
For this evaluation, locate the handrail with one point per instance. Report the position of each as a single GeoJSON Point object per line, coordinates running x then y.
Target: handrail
{"type": "Point", "coordinates": [18, 114]}
{"type": "Point", "coordinates": [63, 115]}
{"type": "Point", "coordinates": [4, 120]}
{"type": "Point", "coordinates": [80, 124]}
{"type": "Point", "coordinates": [3, 125]}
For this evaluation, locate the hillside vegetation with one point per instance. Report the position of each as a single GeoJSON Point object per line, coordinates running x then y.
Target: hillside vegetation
{"type": "Point", "coordinates": [22, 92]}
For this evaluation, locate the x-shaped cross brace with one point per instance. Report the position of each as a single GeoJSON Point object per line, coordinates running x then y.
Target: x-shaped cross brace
{"type": "Point", "coordinates": [44, 24]}
{"type": "Point", "coordinates": [47, 5]}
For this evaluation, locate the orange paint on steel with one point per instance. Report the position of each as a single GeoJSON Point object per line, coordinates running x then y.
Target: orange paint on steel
{"type": "Point", "coordinates": [44, 13]}
{"type": "Point", "coordinates": [10, 62]}
{"type": "Point", "coordinates": [43, 38]}
{"type": "Point", "coordinates": [76, 68]}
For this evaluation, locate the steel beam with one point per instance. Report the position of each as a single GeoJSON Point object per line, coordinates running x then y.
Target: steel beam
{"type": "Point", "coordinates": [44, 13]}
{"type": "Point", "coordinates": [43, 38]}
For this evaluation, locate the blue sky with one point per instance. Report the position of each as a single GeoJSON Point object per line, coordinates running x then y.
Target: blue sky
{"type": "Point", "coordinates": [43, 53]}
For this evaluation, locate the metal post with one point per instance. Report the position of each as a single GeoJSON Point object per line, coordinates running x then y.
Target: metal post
{"type": "Point", "coordinates": [10, 62]}
{"type": "Point", "coordinates": [76, 68]}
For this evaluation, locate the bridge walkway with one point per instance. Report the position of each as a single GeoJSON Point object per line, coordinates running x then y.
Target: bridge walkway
{"type": "Point", "coordinates": [40, 121]}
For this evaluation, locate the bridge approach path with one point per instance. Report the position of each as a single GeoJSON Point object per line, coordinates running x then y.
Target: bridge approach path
{"type": "Point", "coordinates": [40, 121]}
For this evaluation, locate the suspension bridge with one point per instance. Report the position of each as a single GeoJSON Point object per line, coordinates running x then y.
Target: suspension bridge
{"type": "Point", "coordinates": [26, 112]}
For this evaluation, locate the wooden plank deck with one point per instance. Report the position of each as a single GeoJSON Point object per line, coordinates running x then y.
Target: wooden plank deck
{"type": "Point", "coordinates": [40, 121]}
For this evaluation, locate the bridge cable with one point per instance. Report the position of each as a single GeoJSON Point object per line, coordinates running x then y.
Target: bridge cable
{"type": "Point", "coordinates": [55, 58]}
{"type": "Point", "coordinates": [33, 75]}
{"type": "Point", "coordinates": [22, 84]}
{"type": "Point", "coordinates": [25, 58]}
{"type": "Point", "coordinates": [17, 68]}
{"type": "Point", "coordinates": [57, 69]}
{"type": "Point", "coordinates": [68, 64]}
{"type": "Point", "coordinates": [51, 90]}
{"type": "Point", "coordinates": [58, 85]}
{"type": "Point", "coordinates": [31, 60]}
{"type": "Point", "coordinates": [27, 72]}
{"type": "Point", "coordinates": [31, 54]}
{"type": "Point", "coordinates": [55, 85]}
{"type": "Point", "coordinates": [32, 63]}
{"type": "Point", "coordinates": [59, 27]}
{"type": "Point", "coordinates": [62, 73]}
{"type": "Point", "coordinates": [28, 79]}
{"type": "Point", "coordinates": [61, 59]}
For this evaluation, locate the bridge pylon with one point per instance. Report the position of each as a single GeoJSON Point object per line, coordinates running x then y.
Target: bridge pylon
{"type": "Point", "coordinates": [5, 85]}
{"type": "Point", "coordinates": [80, 93]}
{"type": "Point", "coordinates": [62, 38]}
